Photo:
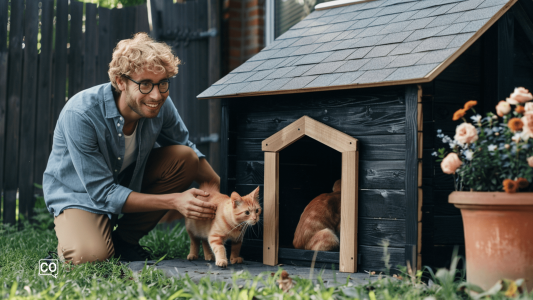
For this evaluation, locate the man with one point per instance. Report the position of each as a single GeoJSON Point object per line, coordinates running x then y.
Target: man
{"type": "Point", "coordinates": [104, 161]}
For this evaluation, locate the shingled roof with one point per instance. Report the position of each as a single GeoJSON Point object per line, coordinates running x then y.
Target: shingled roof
{"type": "Point", "coordinates": [377, 43]}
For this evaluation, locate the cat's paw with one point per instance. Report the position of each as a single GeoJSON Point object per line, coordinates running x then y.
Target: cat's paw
{"type": "Point", "coordinates": [192, 257]}
{"type": "Point", "coordinates": [222, 263]}
{"type": "Point", "coordinates": [236, 260]}
{"type": "Point", "coordinates": [209, 257]}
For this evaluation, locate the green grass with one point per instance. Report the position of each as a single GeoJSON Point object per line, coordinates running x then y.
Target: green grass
{"type": "Point", "coordinates": [22, 249]}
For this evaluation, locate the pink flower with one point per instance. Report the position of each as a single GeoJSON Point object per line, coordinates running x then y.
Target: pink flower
{"type": "Point", "coordinates": [450, 163]}
{"type": "Point", "coordinates": [503, 108]}
{"type": "Point", "coordinates": [520, 95]}
{"type": "Point", "coordinates": [527, 119]}
{"type": "Point", "coordinates": [530, 161]}
{"type": "Point", "coordinates": [466, 133]}
{"type": "Point", "coordinates": [529, 107]}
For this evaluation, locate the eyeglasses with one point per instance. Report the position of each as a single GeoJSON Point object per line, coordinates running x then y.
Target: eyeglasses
{"type": "Point", "coordinates": [145, 86]}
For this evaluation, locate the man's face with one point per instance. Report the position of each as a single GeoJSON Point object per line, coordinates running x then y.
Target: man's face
{"type": "Point", "coordinates": [144, 105]}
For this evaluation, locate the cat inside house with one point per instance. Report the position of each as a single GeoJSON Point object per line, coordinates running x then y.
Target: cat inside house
{"type": "Point", "coordinates": [319, 222]}
{"type": "Point", "coordinates": [234, 215]}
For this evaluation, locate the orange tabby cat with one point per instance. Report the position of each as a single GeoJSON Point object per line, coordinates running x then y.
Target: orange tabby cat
{"type": "Point", "coordinates": [319, 222]}
{"type": "Point", "coordinates": [234, 215]}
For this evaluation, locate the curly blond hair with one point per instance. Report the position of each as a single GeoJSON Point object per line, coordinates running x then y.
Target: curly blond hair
{"type": "Point", "coordinates": [141, 53]}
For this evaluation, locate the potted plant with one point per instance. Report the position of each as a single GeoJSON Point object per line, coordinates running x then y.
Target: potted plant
{"type": "Point", "coordinates": [491, 160]}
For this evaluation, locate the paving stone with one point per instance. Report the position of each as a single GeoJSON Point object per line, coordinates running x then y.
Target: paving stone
{"type": "Point", "coordinates": [255, 86]}
{"type": "Point", "coordinates": [460, 39]}
{"type": "Point", "coordinates": [437, 56]}
{"type": "Point", "coordinates": [339, 55]}
{"type": "Point", "coordinates": [278, 73]}
{"type": "Point", "coordinates": [275, 84]}
{"type": "Point", "coordinates": [419, 23]}
{"type": "Point", "coordinates": [404, 47]}
{"type": "Point", "coordinates": [298, 83]}
{"type": "Point", "coordinates": [424, 33]}
{"type": "Point", "coordinates": [360, 53]}
{"type": "Point", "coordinates": [240, 77]}
{"type": "Point", "coordinates": [474, 26]}
{"type": "Point", "coordinates": [324, 68]}
{"type": "Point", "coordinates": [298, 71]}
{"type": "Point", "coordinates": [346, 78]}
{"type": "Point", "coordinates": [412, 72]}
{"type": "Point", "coordinates": [406, 60]}
{"type": "Point", "coordinates": [394, 38]}
{"type": "Point", "coordinates": [446, 19]}
{"type": "Point", "coordinates": [306, 49]}
{"type": "Point", "coordinates": [269, 64]}
{"type": "Point", "coordinates": [378, 63]}
{"type": "Point", "coordinates": [374, 76]}
{"type": "Point", "coordinates": [323, 80]}
{"type": "Point", "coordinates": [352, 65]}
{"type": "Point", "coordinates": [434, 43]}
{"type": "Point", "coordinates": [453, 29]}
{"type": "Point", "coordinates": [260, 75]}
{"type": "Point", "coordinates": [379, 51]}
{"type": "Point", "coordinates": [466, 5]}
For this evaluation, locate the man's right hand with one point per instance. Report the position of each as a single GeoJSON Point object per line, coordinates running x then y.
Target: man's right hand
{"type": "Point", "coordinates": [193, 208]}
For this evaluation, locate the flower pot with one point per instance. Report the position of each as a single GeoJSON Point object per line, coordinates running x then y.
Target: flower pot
{"type": "Point", "coordinates": [498, 236]}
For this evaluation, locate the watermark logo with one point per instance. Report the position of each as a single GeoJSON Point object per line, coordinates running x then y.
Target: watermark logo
{"type": "Point", "coordinates": [48, 267]}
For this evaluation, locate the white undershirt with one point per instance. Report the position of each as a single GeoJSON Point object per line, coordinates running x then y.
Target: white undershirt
{"type": "Point", "coordinates": [130, 154]}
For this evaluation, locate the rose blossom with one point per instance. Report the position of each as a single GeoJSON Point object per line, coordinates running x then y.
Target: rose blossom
{"type": "Point", "coordinates": [466, 133]}
{"type": "Point", "coordinates": [503, 108]}
{"type": "Point", "coordinates": [530, 161]}
{"type": "Point", "coordinates": [450, 163]}
{"type": "Point", "coordinates": [529, 107]}
{"type": "Point", "coordinates": [527, 119]}
{"type": "Point", "coordinates": [520, 95]}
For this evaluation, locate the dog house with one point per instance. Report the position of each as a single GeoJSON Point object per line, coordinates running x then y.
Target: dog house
{"type": "Point", "coordinates": [389, 74]}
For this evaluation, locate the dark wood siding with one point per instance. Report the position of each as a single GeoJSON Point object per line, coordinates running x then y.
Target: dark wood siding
{"type": "Point", "coordinates": [307, 168]}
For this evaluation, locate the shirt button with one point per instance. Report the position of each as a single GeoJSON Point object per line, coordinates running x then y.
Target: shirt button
{"type": "Point", "coordinates": [118, 124]}
{"type": "Point", "coordinates": [119, 158]}
{"type": "Point", "coordinates": [116, 171]}
{"type": "Point", "coordinates": [119, 134]}
{"type": "Point", "coordinates": [120, 118]}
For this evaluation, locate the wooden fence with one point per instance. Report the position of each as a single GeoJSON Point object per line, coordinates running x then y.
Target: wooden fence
{"type": "Point", "coordinates": [49, 51]}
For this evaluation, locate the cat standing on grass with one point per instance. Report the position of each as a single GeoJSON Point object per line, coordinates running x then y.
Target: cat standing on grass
{"type": "Point", "coordinates": [319, 222]}
{"type": "Point", "coordinates": [234, 215]}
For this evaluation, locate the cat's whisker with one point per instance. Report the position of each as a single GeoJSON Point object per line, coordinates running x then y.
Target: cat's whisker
{"type": "Point", "coordinates": [235, 227]}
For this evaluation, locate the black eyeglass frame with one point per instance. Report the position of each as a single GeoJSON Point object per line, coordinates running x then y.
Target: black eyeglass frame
{"type": "Point", "coordinates": [153, 84]}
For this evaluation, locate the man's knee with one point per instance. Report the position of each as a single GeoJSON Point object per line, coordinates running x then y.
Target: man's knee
{"type": "Point", "coordinates": [88, 252]}
{"type": "Point", "coordinates": [187, 158]}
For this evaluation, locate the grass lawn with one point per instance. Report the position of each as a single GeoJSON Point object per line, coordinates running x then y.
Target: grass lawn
{"type": "Point", "coordinates": [22, 249]}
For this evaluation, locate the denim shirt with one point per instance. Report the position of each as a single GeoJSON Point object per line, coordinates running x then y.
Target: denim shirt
{"type": "Point", "coordinates": [88, 152]}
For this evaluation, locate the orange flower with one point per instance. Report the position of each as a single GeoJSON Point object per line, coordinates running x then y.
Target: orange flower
{"type": "Point", "coordinates": [470, 104]}
{"type": "Point", "coordinates": [509, 186]}
{"type": "Point", "coordinates": [515, 124]}
{"type": "Point", "coordinates": [522, 183]}
{"type": "Point", "coordinates": [459, 114]}
{"type": "Point", "coordinates": [520, 109]}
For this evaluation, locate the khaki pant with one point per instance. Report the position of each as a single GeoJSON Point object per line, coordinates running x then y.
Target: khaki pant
{"type": "Point", "coordinates": [84, 237]}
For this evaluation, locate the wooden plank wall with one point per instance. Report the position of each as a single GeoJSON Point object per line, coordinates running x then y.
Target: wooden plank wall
{"type": "Point", "coordinates": [376, 117]}
{"type": "Point", "coordinates": [53, 70]}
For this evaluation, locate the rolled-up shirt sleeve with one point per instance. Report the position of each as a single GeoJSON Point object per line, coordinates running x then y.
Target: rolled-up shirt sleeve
{"type": "Point", "coordinates": [174, 131]}
{"type": "Point", "coordinates": [90, 164]}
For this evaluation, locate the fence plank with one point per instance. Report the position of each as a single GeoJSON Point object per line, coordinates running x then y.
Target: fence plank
{"type": "Point", "coordinates": [27, 126]}
{"type": "Point", "coordinates": [75, 67]}
{"type": "Point", "coordinates": [14, 90]}
{"type": "Point", "coordinates": [104, 44]}
{"type": "Point", "coordinates": [91, 46]}
{"type": "Point", "coordinates": [44, 96]}
{"type": "Point", "coordinates": [3, 87]}
{"type": "Point", "coordinates": [60, 61]}
{"type": "Point", "coordinates": [141, 19]}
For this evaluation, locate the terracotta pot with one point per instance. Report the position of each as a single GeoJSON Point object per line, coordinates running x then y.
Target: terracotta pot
{"type": "Point", "coordinates": [498, 236]}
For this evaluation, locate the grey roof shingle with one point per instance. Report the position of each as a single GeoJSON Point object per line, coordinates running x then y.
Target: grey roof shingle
{"type": "Point", "coordinates": [365, 43]}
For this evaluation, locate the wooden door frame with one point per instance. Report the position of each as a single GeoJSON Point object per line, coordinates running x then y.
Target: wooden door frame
{"type": "Point", "coordinates": [348, 146]}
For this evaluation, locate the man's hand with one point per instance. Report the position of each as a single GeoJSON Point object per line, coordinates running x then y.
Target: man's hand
{"type": "Point", "coordinates": [191, 207]}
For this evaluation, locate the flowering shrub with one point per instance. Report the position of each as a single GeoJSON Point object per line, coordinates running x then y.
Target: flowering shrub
{"type": "Point", "coordinates": [495, 152]}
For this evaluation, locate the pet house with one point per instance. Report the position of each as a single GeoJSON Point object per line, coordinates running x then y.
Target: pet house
{"type": "Point", "coordinates": [389, 74]}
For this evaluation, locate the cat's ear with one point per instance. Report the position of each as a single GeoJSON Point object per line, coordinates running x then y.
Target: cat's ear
{"type": "Point", "coordinates": [236, 199]}
{"type": "Point", "coordinates": [255, 194]}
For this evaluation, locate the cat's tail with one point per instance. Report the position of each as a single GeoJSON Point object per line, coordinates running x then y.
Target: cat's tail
{"type": "Point", "coordinates": [210, 187]}
{"type": "Point", "coordinates": [337, 186]}
{"type": "Point", "coordinates": [323, 240]}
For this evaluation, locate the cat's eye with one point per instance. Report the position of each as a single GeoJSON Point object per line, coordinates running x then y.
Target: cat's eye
{"type": "Point", "coordinates": [247, 213]}
{"type": "Point", "coordinates": [257, 211]}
